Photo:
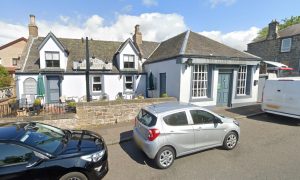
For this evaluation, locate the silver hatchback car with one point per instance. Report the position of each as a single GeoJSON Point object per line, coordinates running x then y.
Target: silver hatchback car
{"type": "Point", "coordinates": [169, 130]}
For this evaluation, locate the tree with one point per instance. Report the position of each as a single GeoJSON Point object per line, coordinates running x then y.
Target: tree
{"type": "Point", "coordinates": [262, 34]}
{"type": "Point", "coordinates": [5, 79]}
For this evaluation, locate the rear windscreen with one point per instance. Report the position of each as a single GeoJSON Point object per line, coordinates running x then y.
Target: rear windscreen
{"type": "Point", "coordinates": [146, 118]}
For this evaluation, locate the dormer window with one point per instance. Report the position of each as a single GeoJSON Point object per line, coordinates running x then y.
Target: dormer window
{"type": "Point", "coordinates": [52, 59]}
{"type": "Point", "coordinates": [286, 45]}
{"type": "Point", "coordinates": [128, 61]}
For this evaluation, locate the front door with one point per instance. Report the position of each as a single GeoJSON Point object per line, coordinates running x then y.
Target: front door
{"type": "Point", "coordinates": [223, 96]}
{"type": "Point", "coordinates": [53, 89]}
{"type": "Point", "coordinates": [162, 83]}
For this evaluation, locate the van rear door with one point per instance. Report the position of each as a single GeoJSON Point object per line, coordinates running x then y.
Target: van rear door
{"type": "Point", "coordinates": [273, 95]}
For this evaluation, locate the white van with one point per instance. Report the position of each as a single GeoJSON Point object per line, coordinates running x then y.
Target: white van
{"type": "Point", "coordinates": [282, 96]}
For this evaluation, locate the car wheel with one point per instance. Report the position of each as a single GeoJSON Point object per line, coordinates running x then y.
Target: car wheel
{"type": "Point", "coordinates": [230, 140]}
{"type": "Point", "coordinates": [165, 157]}
{"type": "Point", "coordinates": [73, 176]}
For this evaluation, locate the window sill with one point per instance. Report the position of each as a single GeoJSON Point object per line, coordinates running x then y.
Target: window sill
{"type": "Point", "coordinates": [243, 96]}
{"type": "Point", "coordinates": [201, 99]}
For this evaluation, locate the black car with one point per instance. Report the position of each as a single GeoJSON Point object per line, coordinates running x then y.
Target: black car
{"type": "Point", "coordinates": [31, 150]}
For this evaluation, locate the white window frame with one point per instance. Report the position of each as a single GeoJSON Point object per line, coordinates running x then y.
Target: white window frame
{"type": "Point", "coordinates": [241, 81]}
{"type": "Point", "coordinates": [127, 82]}
{"type": "Point", "coordinates": [52, 59]}
{"type": "Point", "coordinates": [200, 81]}
{"type": "Point", "coordinates": [93, 82]}
{"type": "Point", "coordinates": [286, 45]}
{"type": "Point", "coordinates": [126, 58]}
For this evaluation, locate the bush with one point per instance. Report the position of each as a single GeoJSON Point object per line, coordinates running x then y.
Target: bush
{"type": "Point", "coordinates": [5, 79]}
{"type": "Point", "coordinates": [164, 95]}
{"type": "Point", "coordinates": [37, 102]}
{"type": "Point", "coordinates": [72, 104]}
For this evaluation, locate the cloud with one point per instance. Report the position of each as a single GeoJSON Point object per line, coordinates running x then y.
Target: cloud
{"type": "Point", "coordinates": [126, 9]}
{"type": "Point", "coordinates": [214, 3]}
{"type": "Point", "coordinates": [235, 39]}
{"type": "Point", "coordinates": [123, 28]}
{"type": "Point", "coordinates": [150, 3]}
{"type": "Point", "coordinates": [94, 27]}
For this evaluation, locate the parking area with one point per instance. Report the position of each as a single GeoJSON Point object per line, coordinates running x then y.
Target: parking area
{"type": "Point", "coordinates": [268, 149]}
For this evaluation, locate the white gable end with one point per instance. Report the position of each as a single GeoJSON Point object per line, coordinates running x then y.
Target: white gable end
{"type": "Point", "coordinates": [51, 47]}
{"type": "Point", "coordinates": [128, 50]}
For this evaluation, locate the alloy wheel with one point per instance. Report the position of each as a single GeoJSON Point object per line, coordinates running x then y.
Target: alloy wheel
{"type": "Point", "coordinates": [166, 158]}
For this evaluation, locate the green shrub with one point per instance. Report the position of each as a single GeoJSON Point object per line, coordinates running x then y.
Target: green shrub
{"type": "Point", "coordinates": [72, 104]}
{"type": "Point", "coordinates": [164, 95]}
{"type": "Point", "coordinates": [37, 102]}
{"type": "Point", "coordinates": [5, 79]}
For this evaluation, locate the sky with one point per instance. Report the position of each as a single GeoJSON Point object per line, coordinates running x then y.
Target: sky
{"type": "Point", "coordinates": [232, 22]}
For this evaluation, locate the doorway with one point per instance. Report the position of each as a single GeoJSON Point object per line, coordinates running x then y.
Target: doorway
{"type": "Point", "coordinates": [224, 89]}
{"type": "Point", "coordinates": [162, 83]}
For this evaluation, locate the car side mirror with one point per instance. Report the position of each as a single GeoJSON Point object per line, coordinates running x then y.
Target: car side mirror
{"type": "Point", "coordinates": [218, 121]}
{"type": "Point", "coordinates": [34, 161]}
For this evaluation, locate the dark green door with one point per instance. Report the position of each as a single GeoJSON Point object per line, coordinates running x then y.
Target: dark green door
{"type": "Point", "coordinates": [162, 83]}
{"type": "Point", "coordinates": [223, 89]}
{"type": "Point", "coordinates": [53, 89]}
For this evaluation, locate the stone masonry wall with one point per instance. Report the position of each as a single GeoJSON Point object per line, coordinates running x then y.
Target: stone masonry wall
{"type": "Point", "coordinates": [111, 112]}
{"type": "Point", "coordinates": [270, 50]}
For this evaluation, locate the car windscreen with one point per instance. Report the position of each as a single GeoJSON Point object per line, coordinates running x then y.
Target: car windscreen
{"type": "Point", "coordinates": [146, 118]}
{"type": "Point", "coordinates": [42, 136]}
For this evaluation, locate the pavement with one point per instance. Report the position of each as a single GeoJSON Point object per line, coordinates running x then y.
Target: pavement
{"type": "Point", "coordinates": [122, 132]}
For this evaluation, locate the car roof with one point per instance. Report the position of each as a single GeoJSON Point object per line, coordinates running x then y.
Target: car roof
{"type": "Point", "coordinates": [166, 107]}
{"type": "Point", "coordinates": [12, 131]}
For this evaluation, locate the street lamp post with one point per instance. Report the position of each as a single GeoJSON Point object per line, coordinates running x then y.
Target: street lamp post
{"type": "Point", "coordinates": [87, 71]}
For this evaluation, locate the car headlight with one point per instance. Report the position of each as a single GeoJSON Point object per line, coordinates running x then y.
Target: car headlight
{"type": "Point", "coordinates": [236, 122]}
{"type": "Point", "coordinates": [93, 157]}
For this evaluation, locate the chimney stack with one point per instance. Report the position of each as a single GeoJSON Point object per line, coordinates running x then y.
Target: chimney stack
{"type": "Point", "coordinates": [137, 37]}
{"type": "Point", "coordinates": [32, 27]}
{"type": "Point", "coordinates": [273, 30]}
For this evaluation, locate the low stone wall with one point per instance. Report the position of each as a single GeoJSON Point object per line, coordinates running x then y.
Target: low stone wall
{"type": "Point", "coordinates": [65, 121]}
{"type": "Point", "coordinates": [111, 112]}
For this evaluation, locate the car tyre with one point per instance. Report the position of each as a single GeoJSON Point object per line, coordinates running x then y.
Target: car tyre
{"type": "Point", "coordinates": [73, 176]}
{"type": "Point", "coordinates": [165, 157]}
{"type": "Point", "coordinates": [230, 140]}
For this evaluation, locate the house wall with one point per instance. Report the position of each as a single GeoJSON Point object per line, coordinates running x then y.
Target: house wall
{"type": "Point", "coordinates": [73, 86]}
{"type": "Point", "coordinates": [173, 79]}
{"type": "Point", "coordinates": [10, 52]}
{"type": "Point", "coordinates": [186, 85]}
{"type": "Point", "coordinates": [20, 83]}
{"type": "Point", "coordinates": [270, 50]}
{"type": "Point", "coordinates": [128, 50]}
{"type": "Point", "coordinates": [179, 83]}
{"type": "Point", "coordinates": [52, 46]}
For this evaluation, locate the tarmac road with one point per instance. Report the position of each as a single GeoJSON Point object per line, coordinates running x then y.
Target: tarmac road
{"type": "Point", "coordinates": [269, 148]}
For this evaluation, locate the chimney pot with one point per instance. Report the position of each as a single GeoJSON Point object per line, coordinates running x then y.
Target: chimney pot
{"type": "Point", "coordinates": [273, 30]}
{"type": "Point", "coordinates": [137, 37]}
{"type": "Point", "coordinates": [32, 27]}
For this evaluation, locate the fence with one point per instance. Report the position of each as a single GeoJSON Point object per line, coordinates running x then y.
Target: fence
{"type": "Point", "coordinates": [20, 109]}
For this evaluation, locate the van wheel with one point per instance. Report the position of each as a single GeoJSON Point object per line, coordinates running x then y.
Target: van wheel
{"type": "Point", "coordinates": [230, 141]}
{"type": "Point", "coordinates": [165, 157]}
{"type": "Point", "coordinates": [73, 176]}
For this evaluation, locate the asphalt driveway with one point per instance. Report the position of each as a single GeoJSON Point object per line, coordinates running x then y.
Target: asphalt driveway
{"type": "Point", "coordinates": [268, 149]}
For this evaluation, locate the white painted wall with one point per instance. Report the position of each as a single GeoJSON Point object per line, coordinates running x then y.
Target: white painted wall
{"type": "Point", "coordinates": [254, 90]}
{"type": "Point", "coordinates": [52, 46]}
{"type": "Point", "coordinates": [129, 49]}
{"type": "Point", "coordinates": [73, 86]}
{"type": "Point", "coordinates": [173, 79]}
{"type": "Point", "coordinates": [20, 83]}
{"type": "Point", "coordinates": [113, 84]}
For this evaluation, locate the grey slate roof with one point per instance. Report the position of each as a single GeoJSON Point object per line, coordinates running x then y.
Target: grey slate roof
{"type": "Point", "coordinates": [193, 44]}
{"type": "Point", "coordinates": [104, 50]}
{"type": "Point", "coordinates": [287, 32]}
